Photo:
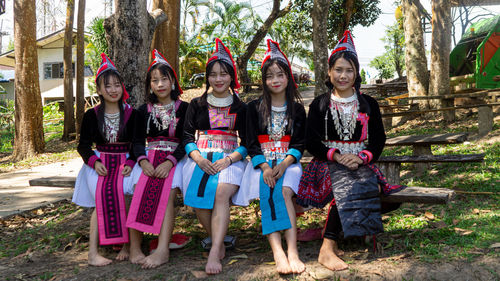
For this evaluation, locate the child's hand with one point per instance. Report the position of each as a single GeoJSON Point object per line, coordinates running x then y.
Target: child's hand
{"type": "Point", "coordinates": [267, 174]}
{"type": "Point", "coordinates": [126, 170]}
{"type": "Point", "coordinates": [351, 161]}
{"type": "Point", "coordinates": [163, 169]}
{"type": "Point", "coordinates": [207, 166]}
{"type": "Point", "coordinates": [279, 170]}
{"type": "Point", "coordinates": [221, 164]}
{"type": "Point", "coordinates": [100, 169]}
{"type": "Point", "coordinates": [147, 168]}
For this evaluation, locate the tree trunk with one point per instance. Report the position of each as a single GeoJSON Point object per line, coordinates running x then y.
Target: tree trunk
{"type": "Point", "coordinates": [28, 139]}
{"type": "Point", "coordinates": [319, 16]}
{"type": "Point", "coordinates": [166, 35]}
{"type": "Point", "coordinates": [69, 109]}
{"type": "Point", "coordinates": [129, 32]}
{"type": "Point", "coordinates": [80, 80]}
{"type": "Point", "coordinates": [242, 61]}
{"type": "Point", "coordinates": [415, 59]}
{"type": "Point", "coordinates": [349, 6]}
{"type": "Point", "coordinates": [439, 83]}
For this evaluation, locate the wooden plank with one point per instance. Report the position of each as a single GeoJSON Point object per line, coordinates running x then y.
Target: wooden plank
{"type": "Point", "coordinates": [423, 111]}
{"type": "Point", "coordinates": [432, 158]}
{"type": "Point", "coordinates": [450, 138]}
{"type": "Point", "coordinates": [54, 182]}
{"type": "Point", "coordinates": [427, 195]}
{"type": "Point", "coordinates": [482, 94]}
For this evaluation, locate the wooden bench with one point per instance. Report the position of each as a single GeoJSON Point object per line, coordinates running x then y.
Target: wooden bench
{"type": "Point", "coordinates": [391, 165]}
{"type": "Point", "coordinates": [412, 194]}
{"type": "Point", "coordinates": [422, 143]}
{"type": "Point", "coordinates": [485, 100]}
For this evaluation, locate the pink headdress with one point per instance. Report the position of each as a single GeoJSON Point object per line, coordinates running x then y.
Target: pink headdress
{"type": "Point", "coordinates": [223, 53]}
{"type": "Point", "coordinates": [274, 52]}
{"type": "Point", "coordinates": [108, 65]}
{"type": "Point", "coordinates": [159, 58]}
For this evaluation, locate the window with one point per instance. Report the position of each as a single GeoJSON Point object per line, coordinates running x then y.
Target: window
{"type": "Point", "coordinates": [55, 70]}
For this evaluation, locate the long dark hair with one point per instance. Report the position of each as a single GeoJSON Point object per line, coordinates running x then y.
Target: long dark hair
{"type": "Point", "coordinates": [166, 71]}
{"type": "Point", "coordinates": [103, 79]}
{"type": "Point", "coordinates": [353, 60]}
{"type": "Point", "coordinates": [227, 68]}
{"type": "Point", "coordinates": [292, 95]}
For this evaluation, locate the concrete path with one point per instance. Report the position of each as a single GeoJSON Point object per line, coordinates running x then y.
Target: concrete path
{"type": "Point", "coordinates": [17, 195]}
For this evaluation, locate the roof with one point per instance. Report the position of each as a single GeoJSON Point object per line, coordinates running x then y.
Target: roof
{"type": "Point", "coordinates": [53, 40]}
{"type": "Point", "coordinates": [481, 28]}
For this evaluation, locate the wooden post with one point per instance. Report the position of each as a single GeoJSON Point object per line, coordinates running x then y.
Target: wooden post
{"type": "Point", "coordinates": [485, 120]}
{"type": "Point", "coordinates": [391, 172]}
{"type": "Point", "coordinates": [422, 150]}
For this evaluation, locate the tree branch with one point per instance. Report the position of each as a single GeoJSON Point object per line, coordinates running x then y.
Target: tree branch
{"type": "Point", "coordinates": [262, 31]}
{"type": "Point", "coordinates": [159, 16]}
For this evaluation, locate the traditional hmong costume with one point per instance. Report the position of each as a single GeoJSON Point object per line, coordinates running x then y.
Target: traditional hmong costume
{"type": "Point", "coordinates": [114, 139]}
{"type": "Point", "coordinates": [212, 126]}
{"type": "Point", "coordinates": [272, 141]}
{"type": "Point", "coordinates": [162, 126]}
{"type": "Point", "coordinates": [345, 125]}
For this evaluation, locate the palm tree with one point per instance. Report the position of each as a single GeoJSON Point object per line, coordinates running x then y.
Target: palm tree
{"type": "Point", "coordinates": [191, 8]}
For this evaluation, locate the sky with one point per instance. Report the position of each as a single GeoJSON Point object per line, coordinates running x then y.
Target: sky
{"type": "Point", "coordinates": [366, 39]}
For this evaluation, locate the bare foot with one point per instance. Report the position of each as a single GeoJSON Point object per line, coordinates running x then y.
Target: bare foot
{"type": "Point", "coordinates": [329, 259]}
{"type": "Point", "coordinates": [156, 259]}
{"type": "Point", "coordinates": [282, 265]}
{"type": "Point", "coordinates": [338, 251]}
{"type": "Point", "coordinates": [123, 255]}
{"type": "Point", "coordinates": [136, 256]}
{"type": "Point", "coordinates": [98, 260]}
{"type": "Point", "coordinates": [222, 252]}
{"type": "Point", "coordinates": [214, 265]}
{"type": "Point", "coordinates": [296, 264]}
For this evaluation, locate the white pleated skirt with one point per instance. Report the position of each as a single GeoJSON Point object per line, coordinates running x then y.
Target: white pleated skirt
{"type": "Point", "coordinates": [250, 184]}
{"type": "Point", "coordinates": [86, 185]}
{"type": "Point", "coordinates": [232, 174]}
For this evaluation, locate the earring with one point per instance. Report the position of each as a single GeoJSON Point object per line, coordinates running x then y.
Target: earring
{"type": "Point", "coordinates": [173, 86]}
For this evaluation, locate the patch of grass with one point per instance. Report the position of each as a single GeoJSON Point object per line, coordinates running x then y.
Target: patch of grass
{"type": "Point", "coordinates": [464, 229]}
{"type": "Point", "coordinates": [55, 149]}
{"type": "Point", "coordinates": [46, 275]}
{"type": "Point", "coordinates": [38, 231]}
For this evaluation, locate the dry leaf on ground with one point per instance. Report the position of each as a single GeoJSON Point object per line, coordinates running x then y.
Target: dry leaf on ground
{"type": "Point", "coordinates": [429, 216]}
{"type": "Point", "coordinates": [462, 231]}
{"type": "Point", "coordinates": [199, 274]}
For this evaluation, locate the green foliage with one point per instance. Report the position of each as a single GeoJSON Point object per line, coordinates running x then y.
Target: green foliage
{"type": "Point", "coordinates": [10, 46]}
{"type": "Point", "coordinates": [363, 76]}
{"type": "Point", "coordinates": [393, 60]}
{"type": "Point", "coordinates": [97, 45]}
{"type": "Point", "coordinates": [365, 13]}
{"type": "Point", "coordinates": [385, 70]}
{"type": "Point", "coordinates": [293, 36]}
{"type": "Point", "coordinates": [255, 75]}
{"type": "Point", "coordinates": [7, 129]}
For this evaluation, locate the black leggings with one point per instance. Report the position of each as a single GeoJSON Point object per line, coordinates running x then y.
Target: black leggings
{"type": "Point", "coordinates": [333, 226]}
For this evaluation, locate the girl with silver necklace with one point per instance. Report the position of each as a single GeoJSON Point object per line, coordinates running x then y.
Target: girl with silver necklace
{"type": "Point", "coordinates": [276, 141]}
{"type": "Point", "coordinates": [214, 139]}
{"type": "Point", "coordinates": [159, 173]}
{"type": "Point", "coordinates": [346, 136]}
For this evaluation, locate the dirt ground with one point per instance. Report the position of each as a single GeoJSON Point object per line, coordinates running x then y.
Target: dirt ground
{"type": "Point", "coordinates": [58, 251]}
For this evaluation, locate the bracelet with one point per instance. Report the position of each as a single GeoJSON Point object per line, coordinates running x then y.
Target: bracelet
{"type": "Point", "coordinates": [230, 159]}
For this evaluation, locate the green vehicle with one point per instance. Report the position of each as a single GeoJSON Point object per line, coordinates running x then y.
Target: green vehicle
{"type": "Point", "coordinates": [478, 53]}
